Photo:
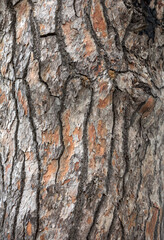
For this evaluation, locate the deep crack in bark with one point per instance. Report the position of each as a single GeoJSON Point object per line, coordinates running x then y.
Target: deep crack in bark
{"type": "Point", "coordinates": [34, 133]}
{"type": "Point", "coordinates": [22, 185]}
{"type": "Point", "coordinates": [77, 214]}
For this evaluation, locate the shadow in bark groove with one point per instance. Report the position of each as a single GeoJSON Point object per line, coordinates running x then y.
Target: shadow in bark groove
{"type": "Point", "coordinates": [22, 185]}
{"type": "Point", "coordinates": [33, 129]}
{"type": "Point", "coordinates": [77, 214]}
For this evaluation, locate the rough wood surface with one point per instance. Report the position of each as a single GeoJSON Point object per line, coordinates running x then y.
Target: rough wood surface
{"type": "Point", "coordinates": [81, 120]}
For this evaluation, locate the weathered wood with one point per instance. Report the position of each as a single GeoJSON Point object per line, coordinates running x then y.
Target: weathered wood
{"type": "Point", "coordinates": [81, 120]}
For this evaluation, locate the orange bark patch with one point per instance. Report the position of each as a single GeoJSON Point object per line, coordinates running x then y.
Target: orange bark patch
{"type": "Point", "coordinates": [3, 69]}
{"type": "Point", "coordinates": [148, 107]}
{"type": "Point", "coordinates": [73, 199]}
{"type": "Point", "coordinates": [132, 220]}
{"type": "Point", "coordinates": [22, 101]}
{"type": "Point", "coordinates": [33, 76]}
{"type": "Point", "coordinates": [89, 44]}
{"type": "Point", "coordinates": [18, 185]}
{"type": "Point", "coordinates": [42, 27]}
{"type": "Point", "coordinates": [7, 167]}
{"type": "Point", "coordinates": [29, 155]}
{"type": "Point", "coordinates": [103, 87]}
{"type": "Point", "coordinates": [76, 166]}
{"type": "Point", "coordinates": [115, 154]}
{"type": "Point", "coordinates": [2, 97]}
{"type": "Point", "coordinates": [92, 162]}
{"type": "Point", "coordinates": [22, 9]}
{"type": "Point", "coordinates": [112, 74]}
{"type": "Point", "coordinates": [51, 170]}
{"type": "Point", "coordinates": [50, 137]}
{"type": "Point", "coordinates": [100, 148]}
{"type": "Point", "coordinates": [42, 237]}
{"type": "Point", "coordinates": [29, 229]}
{"type": "Point", "coordinates": [78, 132]}
{"type": "Point", "coordinates": [89, 220]}
{"type": "Point", "coordinates": [98, 19]}
{"type": "Point", "coordinates": [101, 129]}
{"type": "Point", "coordinates": [66, 181]}
{"type": "Point", "coordinates": [92, 137]}
{"type": "Point", "coordinates": [150, 226]}
{"type": "Point", "coordinates": [69, 146]}
{"type": "Point", "coordinates": [67, 29]}
{"type": "Point", "coordinates": [1, 49]}
{"type": "Point", "coordinates": [132, 66]}
{"type": "Point", "coordinates": [103, 103]}
{"type": "Point", "coordinates": [20, 32]}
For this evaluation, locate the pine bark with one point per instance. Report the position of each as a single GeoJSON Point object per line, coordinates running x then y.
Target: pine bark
{"type": "Point", "coordinates": [81, 120]}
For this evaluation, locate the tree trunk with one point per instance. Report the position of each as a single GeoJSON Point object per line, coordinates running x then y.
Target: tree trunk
{"type": "Point", "coordinates": [81, 120]}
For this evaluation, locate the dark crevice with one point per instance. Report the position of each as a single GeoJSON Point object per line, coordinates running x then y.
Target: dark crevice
{"type": "Point", "coordinates": [133, 117]}
{"type": "Point", "coordinates": [141, 156]}
{"type": "Point", "coordinates": [125, 135]}
{"type": "Point", "coordinates": [141, 159]}
{"type": "Point", "coordinates": [74, 7]}
{"type": "Point", "coordinates": [127, 4]}
{"type": "Point", "coordinates": [13, 28]}
{"type": "Point", "coordinates": [33, 128]}
{"type": "Point", "coordinates": [17, 3]}
{"type": "Point", "coordinates": [162, 223]}
{"type": "Point", "coordinates": [98, 44]}
{"type": "Point", "coordinates": [22, 185]}
{"type": "Point", "coordinates": [124, 40]}
{"type": "Point", "coordinates": [149, 205]}
{"type": "Point", "coordinates": [152, 76]}
{"type": "Point", "coordinates": [36, 46]}
{"type": "Point", "coordinates": [66, 59]}
{"type": "Point", "coordinates": [160, 180]}
{"type": "Point", "coordinates": [122, 229]}
{"type": "Point", "coordinates": [109, 25]}
{"type": "Point", "coordinates": [16, 133]}
{"type": "Point", "coordinates": [48, 35]}
{"type": "Point", "coordinates": [77, 214]}
{"type": "Point", "coordinates": [35, 35]}
{"type": "Point", "coordinates": [156, 234]}
{"type": "Point", "coordinates": [24, 229]}
{"type": "Point", "coordinates": [146, 88]}
{"type": "Point", "coordinates": [102, 54]}
{"type": "Point", "coordinates": [61, 125]}
{"type": "Point", "coordinates": [2, 172]}
{"type": "Point", "coordinates": [150, 16]}
{"type": "Point", "coordinates": [109, 173]}
{"type": "Point", "coordinates": [110, 231]}
{"type": "Point", "coordinates": [64, 90]}
{"type": "Point", "coordinates": [3, 217]}
{"type": "Point", "coordinates": [3, 188]}
{"type": "Point", "coordinates": [96, 215]}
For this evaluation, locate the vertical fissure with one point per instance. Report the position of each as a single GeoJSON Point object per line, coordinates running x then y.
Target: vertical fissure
{"type": "Point", "coordinates": [109, 173]}
{"type": "Point", "coordinates": [22, 185]}
{"type": "Point", "coordinates": [34, 134]}
{"type": "Point", "coordinates": [95, 217]}
{"type": "Point", "coordinates": [61, 125]}
{"type": "Point", "coordinates": [109, 25]}
{"type": "Point", "coordinates": [125, 141]}
{"type": "Point", "coordinates": [66, 59]}
{"type": "Point", "coordinates": [77, 214]}
{"type": "Point", "coordinates": [13, 28]}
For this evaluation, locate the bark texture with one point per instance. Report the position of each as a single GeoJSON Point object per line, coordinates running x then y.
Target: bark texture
{"type": "Point", "coordinates": [81, 120]}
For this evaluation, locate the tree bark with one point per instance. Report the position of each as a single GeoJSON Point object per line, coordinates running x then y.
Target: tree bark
{"type": "Point", "coordinates": [81, 120]}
